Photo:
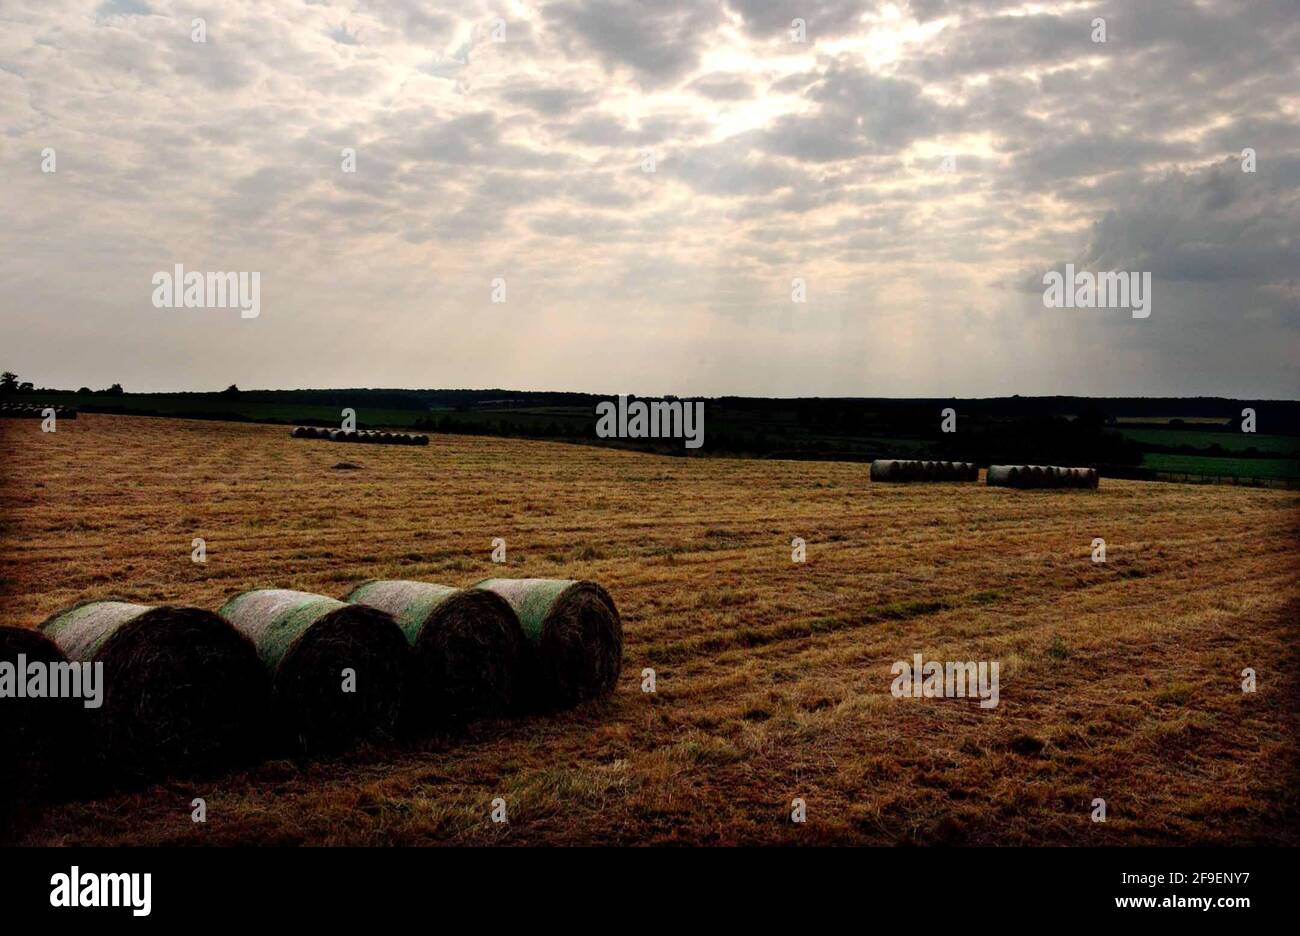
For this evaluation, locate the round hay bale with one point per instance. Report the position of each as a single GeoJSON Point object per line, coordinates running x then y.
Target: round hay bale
{"type": "Point", "coordinates": [1001, 476]}
{"type": "Point", "coordinates": [306, 642]}
{"type": "Point", "coordinates": [299, 432]}
{"type": "Point", "coordinates": [422, 440]}
{"type": "Point", "coordinates": [182, 691]}
{"type": "Point", "coordinates": [1082, 478]}
{"type": "Point", "coordinates": [467, 643]}
{"type": "Point", "coordinates": [574, 633]}
{"type": "Point", "coordinates": [38, 734]}
{"type": "Point", "coordinates": [883, 469]}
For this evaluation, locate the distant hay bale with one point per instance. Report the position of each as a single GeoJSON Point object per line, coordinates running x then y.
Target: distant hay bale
{"type": "Point", "coordinates": [1080, 477]}
{"type": "Point", "coordinates": [467, 642]}
{"type": "Point", "coordinates": [306, 642]}
{"type": "Point", "coordinates": [38, 736]}
{"type": "Point", "coordinates": [299, 432]}
{"type": "Point", "coordinates": [183, 691]}
{"type": "Point", "coordinates": [894, 469]}
{"type": "Point", "coordinates": [574, 633]}
{"type": "Point", "coordinates": [1003, 476]}
{"type": "Point", "coordinates": [422, 440]}
{"type": "Point", "coordinates": [1040, 477]}
{"type": "Point", "coordinates": [34, 411]}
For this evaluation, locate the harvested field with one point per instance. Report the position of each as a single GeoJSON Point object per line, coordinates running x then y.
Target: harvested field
{"type": "Point", "coordinates": [1118, 680]}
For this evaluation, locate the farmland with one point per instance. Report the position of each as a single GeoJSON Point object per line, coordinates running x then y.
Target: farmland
{"type": "Point", "coordinates": [1118, 680]}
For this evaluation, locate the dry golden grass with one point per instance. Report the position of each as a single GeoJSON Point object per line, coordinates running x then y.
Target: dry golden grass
{"type": "Point", "coordinates": [1118, 681]}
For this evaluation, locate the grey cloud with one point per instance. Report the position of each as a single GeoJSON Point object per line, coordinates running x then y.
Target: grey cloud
{"type": "Point", "coordinates": [858, 113]}
{"type": "Point", "coordinates": [658, 42]}
{"type": "Point", "coordinates": [549, 100]}
{"type": "Point", "coordinates": [720, 86]}
{"type": "Point", "coordinates": [824, 18]}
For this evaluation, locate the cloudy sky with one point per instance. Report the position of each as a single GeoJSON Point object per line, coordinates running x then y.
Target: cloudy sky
{"type": "Point", "coordinates": [525, 160]}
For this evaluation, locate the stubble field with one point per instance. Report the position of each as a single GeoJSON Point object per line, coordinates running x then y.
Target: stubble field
{"type": "Point", "coordinates": [1119, 681]}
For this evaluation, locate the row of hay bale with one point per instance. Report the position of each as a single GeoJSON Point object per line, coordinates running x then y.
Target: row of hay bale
{"type": "Point", "coordinates": [34, 411]}
{"type": "Point", "coordinates": [1015, 476]}
{"type": "Point", "coordinates": [895, 469]}
{"type": "Point", "coordinates": [276, 671]}
{"type": "Point", "coordinates": [1040, 476]}
{"type": "Point", "coordinates": [373, 436]}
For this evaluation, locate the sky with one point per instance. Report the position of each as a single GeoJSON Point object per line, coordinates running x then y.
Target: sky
{"type": "Point", "coordinates": [642, 184]}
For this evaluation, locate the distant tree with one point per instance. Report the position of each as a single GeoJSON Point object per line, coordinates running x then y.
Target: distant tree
{"type": "Point", "coordinates": [115, 390]}
{"type": "Point", "coordinates": [25, 387]}
{"type": "Point", "coordinates": [8, 382]}
{"type": "Point", "coordinates": [85, 390]}
{"type": "Point", "coordinates": [231, 391]}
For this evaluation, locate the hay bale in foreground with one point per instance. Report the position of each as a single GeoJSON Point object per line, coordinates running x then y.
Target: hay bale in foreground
{"type": "Point", "coordinates": [306, 642]}
{"type": "Point", "coordinates": [1041, 477]}
{"type": "Point", "coordinates": [38, 735]}
{"type": "Point", "coordinates": [574, 633]}
{"type": "Point", "coordinates": [183, 691]}
{"type": "Point", "coordinates": [896, 469]}
{"type": "Point", "coordinates": [467, 643]}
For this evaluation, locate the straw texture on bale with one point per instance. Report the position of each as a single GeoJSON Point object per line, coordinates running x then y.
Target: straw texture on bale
{"type": "Point", "coordinates": [306, 642]}
{"type": "Point", "coordinates": [1040, 476]}
{"type": "Point", "coordinates": [467, 646]}
{"type": "Point", "coordinates": [893, 469]}
{"type": "Point", "coordinates": [183, 691]}
{"type": "Point", "coordinates": [574, 634]}
{"type": "Point", "coordinates": [37, 735]}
